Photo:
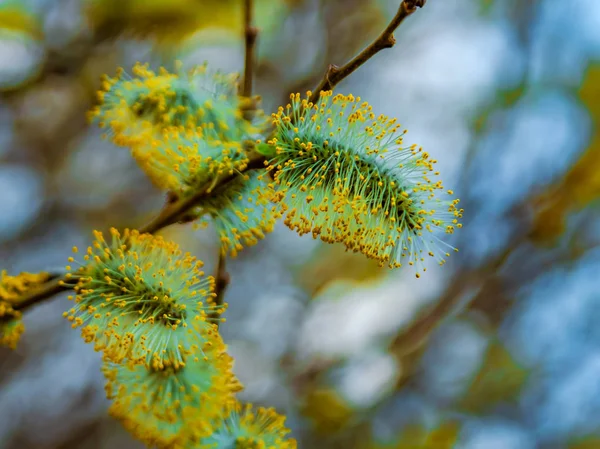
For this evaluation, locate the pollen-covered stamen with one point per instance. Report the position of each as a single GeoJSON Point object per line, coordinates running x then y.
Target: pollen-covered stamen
{"type": "Point", "coordinates": [12, 288]}
{"type": "Point", "coordinates": [344, 176]}
{"type": "Point", "coordinates": [137, 296]}
{"type": "Point", "coordinates": [173, 405]}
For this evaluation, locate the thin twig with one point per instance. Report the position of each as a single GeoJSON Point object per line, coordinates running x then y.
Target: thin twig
{"type": "Point", "coordinates": [250, 34]}
{"type": "Point", "coordinates": [335, 74]}
{"type": "Point", "coordinates": [222, 279]}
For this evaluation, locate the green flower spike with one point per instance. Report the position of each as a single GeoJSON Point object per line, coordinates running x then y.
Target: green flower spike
{"type": "Point", "coordinates": [342, 174]}
{"type": "Point", "coordinates": [139, 298]}
{"type": "Point", "coordinates": [136, 109]}
{"type": "Point", "coordinates": [173, 407]}
{"type": "Point", "coordinates": [248, 428]}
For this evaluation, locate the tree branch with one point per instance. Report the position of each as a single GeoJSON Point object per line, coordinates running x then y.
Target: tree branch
{"type": "Point", "coordinates": [40, 293]}
{"type": "Point", "coordinates": [335, 74]}
{"type": "Point", "coordinates": [173, 212]}
{"type": "Point", "coordinates": [222, 279]}
{"type": "Point", "coordinates": [250, 34]}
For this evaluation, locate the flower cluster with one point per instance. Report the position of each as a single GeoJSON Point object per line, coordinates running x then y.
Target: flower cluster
{"type": "Point", "coordinates": [342, 173]}
{"type": "Point", "coordinates": [149, 308]}
{"type": "Point", "coordinates": [334, 170]}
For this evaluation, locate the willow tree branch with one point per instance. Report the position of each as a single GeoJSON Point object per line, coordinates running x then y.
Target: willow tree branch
{"type": "Point", "coordinates": [250, 35]}
{"type": "Point", "coordinates": [335, 74]}
{"type": "Point", "coordinates": [176, 209]}
{"type": "Point", "coordinates": [173, 212]}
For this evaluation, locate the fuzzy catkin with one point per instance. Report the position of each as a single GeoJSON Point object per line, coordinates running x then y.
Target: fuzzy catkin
{"type": "Point", "coordinates": [138, 297]}
{"type": "Point", "coordinates": [342, 174]}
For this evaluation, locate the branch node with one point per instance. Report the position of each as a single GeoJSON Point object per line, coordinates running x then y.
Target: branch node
{"type": "Point", "coordinates": [390, 42]}
{"type": "Point", "coordinates": [412, 5]}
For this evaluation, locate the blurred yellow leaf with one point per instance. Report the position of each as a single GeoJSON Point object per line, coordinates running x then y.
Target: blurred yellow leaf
{"type": "Point", "coordinates": [331, 263]}
{"type": "Point", "coordinates": [327, 410]}
{"type": "Point", "coordinates": [499, 379]}
{"type": "Point", "coordinates": [586, 443]}
{"type": "Point", "coordinates": [419, 437]}
{"type": "Point", "coordinates": [174, 19]}
{"type": "Point", "coordinates": [16, 17]}
{"type": "Point", "coordinates": [162, 18]}
{"type": "Point", "coordinates": [580, 186]}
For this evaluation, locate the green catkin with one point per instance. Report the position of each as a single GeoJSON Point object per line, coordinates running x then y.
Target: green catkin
{"type": "Point", "coordinates": [138, 297]}
{"type": "Point", "coordinates": [342, 174]}
{"type": "Point", "coordinates": [173, 406]}
{"type": "Point", "coordinates": [134, 110]}
{"type": "Point", "coordinates": [183, 161]}
{"type": "Point", "coordinates": [246, 427]}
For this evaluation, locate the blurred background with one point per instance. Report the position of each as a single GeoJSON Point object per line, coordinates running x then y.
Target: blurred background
{"type": "Point", "coordinates": [499, 349]}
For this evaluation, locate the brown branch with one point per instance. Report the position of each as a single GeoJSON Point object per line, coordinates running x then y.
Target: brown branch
{"type": "Point", "coordinates": [335, 74]}
{"type": "Point", "coordinates": [173, 212]}
{"type": "Point", "coordinates": [250, 35]}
